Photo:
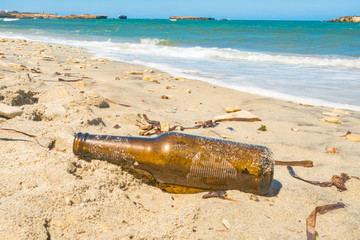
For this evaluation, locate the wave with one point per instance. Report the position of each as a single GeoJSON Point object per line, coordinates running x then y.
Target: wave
{"type": "Point", "coordinates": [10, 19]}
{"type": "Point", "coordinates": [129, 52]}
{"type": "Point", "coordinates": [154, 47]}
{"type": "Point", "coordinates": [164, 48]}
{"type": "Point", "coordinates": [156, 41]}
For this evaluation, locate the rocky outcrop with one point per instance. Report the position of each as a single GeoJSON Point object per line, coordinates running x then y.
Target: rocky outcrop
{"type": "Point", "coordinates": [122, 17]}
{"type": "Point", "coordinates": [190, 18]}
{"type": "Point", "coordinates": [46, 15]}
{"type": "Point", "coordinates": [85, 16]}
{"type": "Point", "coordinates": [346, 19]}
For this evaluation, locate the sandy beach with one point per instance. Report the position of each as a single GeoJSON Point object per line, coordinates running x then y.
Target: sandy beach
{"type": "Point", "coordinates": [48, 193]}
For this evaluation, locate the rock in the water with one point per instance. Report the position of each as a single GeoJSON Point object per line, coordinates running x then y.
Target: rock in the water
{"type": "Point", "coordinates": [9, 111]}
{"type": "Point", "coordinates": [347, 19]}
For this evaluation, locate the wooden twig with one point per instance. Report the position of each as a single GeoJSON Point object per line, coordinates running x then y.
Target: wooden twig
{"type": "Point", "coordinates": [306, 163]}
{"type": "Point", "coordinates": [26, 134]}
{"type": "Point", "coordinates": [121, 104]}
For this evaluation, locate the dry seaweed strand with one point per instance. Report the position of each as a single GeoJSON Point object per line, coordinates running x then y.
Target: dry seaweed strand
{"type": "Point", "coordinates": [69, 80]}
{"type": "Point", "coordinates": [201, 124]}
{"type": "Point", "coordinates": [311, 220]}
{"type": "Point", "coordinates": [218, 194]}
{"type": "Point", "coordinates": [223, 136]}
{"type": "Point", "coordinates": [26, 134]}
{"type": "Point", "coordinates": [338, 181]}
{"type": "Point", "coordinates": [305, 163]}
{"type": "Point", "coordinates": [121, 104]}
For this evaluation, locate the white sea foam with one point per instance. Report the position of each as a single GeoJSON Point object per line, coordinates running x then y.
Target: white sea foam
{"type": "Point", "coordinates": [148, 48]}
{"type": "Point", "coordinates": [10, 19]}
{"type": "Point", "coordinates": [155, 47]}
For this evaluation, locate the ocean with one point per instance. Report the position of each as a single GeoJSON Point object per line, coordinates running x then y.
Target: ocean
{"type": "Point", "coordinates": [308, 62]}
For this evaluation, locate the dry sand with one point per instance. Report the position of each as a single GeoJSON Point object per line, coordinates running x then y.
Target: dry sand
{"type": "Point", "coordinates": [48, 193]}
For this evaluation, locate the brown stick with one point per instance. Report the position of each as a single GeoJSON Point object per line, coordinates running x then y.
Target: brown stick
{"type": "Point", "coordinates": [306, 163]}
{"type": "Point", "coordinates": [68, 80]}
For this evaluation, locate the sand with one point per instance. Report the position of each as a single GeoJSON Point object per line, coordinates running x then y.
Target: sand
{"type": "Point", "coordinates": [48, 193]}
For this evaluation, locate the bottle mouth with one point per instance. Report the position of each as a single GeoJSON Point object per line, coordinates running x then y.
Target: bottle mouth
{"type": "Point", "coordinates": [79, 143]}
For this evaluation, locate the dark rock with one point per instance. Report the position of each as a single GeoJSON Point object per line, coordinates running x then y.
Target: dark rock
{"type": "Point", "coordinates": [190, 18]}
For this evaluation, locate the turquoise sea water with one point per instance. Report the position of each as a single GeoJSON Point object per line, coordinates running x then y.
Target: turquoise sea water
{"type": "Point", "coordinates": [308, 62]}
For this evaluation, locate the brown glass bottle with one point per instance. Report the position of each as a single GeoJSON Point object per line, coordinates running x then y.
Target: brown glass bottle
{"type": "Point", "coordinates": [179, 160]}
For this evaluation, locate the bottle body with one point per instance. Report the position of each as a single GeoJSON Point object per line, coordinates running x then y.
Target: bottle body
{"type": "Point", "coordinates": [186, 160]}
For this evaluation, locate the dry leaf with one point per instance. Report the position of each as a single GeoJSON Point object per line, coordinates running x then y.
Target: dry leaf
{"type": "Point", "coordinates": [311, 220]}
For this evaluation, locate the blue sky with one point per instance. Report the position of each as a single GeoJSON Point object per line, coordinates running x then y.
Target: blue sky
{"type": "Point", "coordinates": [233, 9]}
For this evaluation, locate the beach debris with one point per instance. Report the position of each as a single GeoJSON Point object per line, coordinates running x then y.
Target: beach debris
{"type": "Point", "coordinates": [153, 126]}
{"type": "Point", "coordinates": [330, 120]}
{"type": "Point", "coordinates": [170, 110]}
{"type": "Point", "coordinates": [116, 126]}
{"type": "Point", "coordinates": [332, 150]}
{"type": "Point", "coordinates": [134, 73]}
{"type": "Point", "coordinates": [352, 137]}
{"type": "Point", "coordinates": [226, 223]}
{"type": "Point", "coordinates": [168, 87]}
{"type": "Point", "coordinates": [218, 194]}
{"type": "Point", "coordinates": [306, 105]}
{"type": "Point", "coordinates": [23, 133]}
{"type": "Point", "coordinates": [166, 96]}
{"type": "Point", "coordinates": [237, 116]}
{"type": "Point", "coordinates": [305, 163]}
{"type": "Point", "coordinates": [37, 70]}
{"type": "Point", "coordinates": [254, 198]}
{"type": "Point", "coordinates": [9, 111]}
{"type": "Point", "coordinates": [330, 114]}
{"type": "Point", "coordinates": [311, 233]}
{"type": "Point", "coordinates": [232, 109]}
{"type": "Point", "coordinates": [117, 78]}
{"type": "Point", "coordinates": [188, 91]}
{"type": "Point", "coordinates": [81, 83]}
{"type": "Point", "coordinates": [68, 80]}
{"type": "Point", "coordinates": [19, 66]}
{"type": "Point", "coordinates": [121, 104]}
{"type": "Point", "coordinates": [47, 58]}
{"type": "Point", "coordinates": [262, 128]}
{"type": "Point", "coordinates": [201, 124]}
{"type": "Point", "coordinates": [223, 136]}
{"type": "Point", "coordinates": [164, 127]}
{"type": "Point", "coordinates": [230, 128]}
{"type": "Point", "coordinates": [149, 79]}
{"type": "Point", "coordinates": [336, 180]}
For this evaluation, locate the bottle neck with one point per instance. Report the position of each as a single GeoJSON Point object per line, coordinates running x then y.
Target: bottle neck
{"type": "Point", "coordinates": [110, 147]}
